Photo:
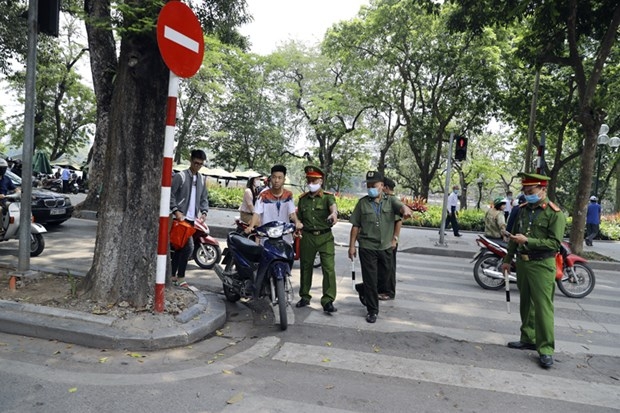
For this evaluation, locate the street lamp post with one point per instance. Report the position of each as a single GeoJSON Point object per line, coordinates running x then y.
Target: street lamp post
{"type": "Point", "coordinates": [479, 182]}
{"type": "Point", "coordinates": [603, 140]}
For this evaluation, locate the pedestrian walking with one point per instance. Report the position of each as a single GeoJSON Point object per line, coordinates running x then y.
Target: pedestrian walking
{"type": "Point", "coordinates": [537, 235]}
{"type": "Point", "coordinates": [373, 228]}
{"type": "Point", "coordinates": [188, 202]}
{"type": "Point", "coordinates": [593, 220]}
{"type": "Point", "coordinates": [453, 210]}
{"type": "Point", "coordinates": [318, 212]}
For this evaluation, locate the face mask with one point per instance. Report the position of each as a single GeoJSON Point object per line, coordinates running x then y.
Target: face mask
{"type": "Point", "coordinates": [456, 191]}
{"type": "Point", "coordinates": [532, 199]}
{"type": "Point", "coordinates": [373, 192]}
{"type": "Point", "coordinates": [314, 187]}
{"type": "Point", "coordinates": [256, 184]}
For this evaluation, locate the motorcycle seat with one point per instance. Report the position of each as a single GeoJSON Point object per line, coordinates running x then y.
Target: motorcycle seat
{"type": "Point", "coordinates": [250, 249]}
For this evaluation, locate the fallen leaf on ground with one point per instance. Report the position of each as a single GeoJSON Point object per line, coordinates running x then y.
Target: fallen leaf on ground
{"type": "Point", "coordinates": [103, 359]}
{"type": "Point", "coordinates": [72, 389]}
{"type": "Point", "coordinates": [235, 399]}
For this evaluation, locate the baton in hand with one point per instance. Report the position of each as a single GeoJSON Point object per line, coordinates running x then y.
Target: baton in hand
{"type": "Point", "coordinates": [507, 282]}
{"type": "Point", "coordinates": [353, 274]}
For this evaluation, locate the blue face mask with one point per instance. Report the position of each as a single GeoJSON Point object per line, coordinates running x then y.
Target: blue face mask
{"type": "Point", "coordinates": [532, 199]}
{"type": "Point", "coordinates": [373, 192]}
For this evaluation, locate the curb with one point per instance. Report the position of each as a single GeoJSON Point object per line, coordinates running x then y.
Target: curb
{"type": "Point", "coordinates": [88, 330]}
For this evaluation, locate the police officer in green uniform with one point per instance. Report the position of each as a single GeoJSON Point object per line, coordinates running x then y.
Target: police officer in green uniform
{"type": "Point", "coordinates": [536, 238]}
{"type": "Point", "coordinates": [318, 212]}
{"type": "Point", "coordinates": [373, 228]}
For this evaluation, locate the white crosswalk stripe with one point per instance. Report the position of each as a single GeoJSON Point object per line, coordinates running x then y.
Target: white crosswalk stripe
{"type": "Point", "coordinates": [525, 384]}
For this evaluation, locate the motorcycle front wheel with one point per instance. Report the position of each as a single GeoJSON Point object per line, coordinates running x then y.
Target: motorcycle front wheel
{"type": "Point", "coordinates": [230, 295]}
{"type": "Point", "coordinates": [281, 295]}
{"type": "Point", "coordinates": [488, 261]}
{"type": "Point", "coordinates": [207, 255]}
{"type": "Point", "coordinates": [577, 281]}
{"type": "Point", "coordinates": [37, 244]}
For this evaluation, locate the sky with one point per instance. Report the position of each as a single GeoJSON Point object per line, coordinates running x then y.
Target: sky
{"type": "Point", "coordinates": [276, 21]}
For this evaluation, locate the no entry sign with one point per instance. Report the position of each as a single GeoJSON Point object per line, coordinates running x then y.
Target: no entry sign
{"type": "Point", "coordinates": [180, 39]}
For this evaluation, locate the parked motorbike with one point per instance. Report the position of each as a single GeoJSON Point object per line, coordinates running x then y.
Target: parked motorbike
{"type": "Point", "coordinates": [256, 271]}
{"type": "Point", "coordinates": [207, 250]}
{"type": "Point", "coordinates": [10, 225]}
{"type": "Point", "coordinates": [52, 184]}
{"type": "Point", "coordinates": [577, 280]}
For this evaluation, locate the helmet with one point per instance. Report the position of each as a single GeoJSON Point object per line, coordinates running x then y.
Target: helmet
{"type": "Point", "coordinates": [593, 198]}
{"type": "Point", "coordinates": [498, 202]}
{"type": "Point", "coordinates": [3, 166]}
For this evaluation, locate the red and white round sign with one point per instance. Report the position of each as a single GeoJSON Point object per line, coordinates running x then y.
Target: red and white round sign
{"type": "Point", "coordinates": [180, 39]}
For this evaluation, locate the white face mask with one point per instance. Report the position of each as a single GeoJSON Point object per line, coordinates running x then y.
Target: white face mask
{"type": "Point", "coordinates": [314, 187]}
{"type": "Point", "coordinates": [256, 183]}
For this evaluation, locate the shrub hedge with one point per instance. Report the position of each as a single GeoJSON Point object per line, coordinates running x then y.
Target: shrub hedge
{"type": "Point", "coordinates": [469, 219]}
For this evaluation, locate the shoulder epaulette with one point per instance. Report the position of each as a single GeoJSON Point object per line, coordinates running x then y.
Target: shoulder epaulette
{"type": "Point", "coordinates": [304, 194]}
{"type": "Point", "coordinates": [328, 193]}
{"type": "Point", "coordinates": [554, 207]}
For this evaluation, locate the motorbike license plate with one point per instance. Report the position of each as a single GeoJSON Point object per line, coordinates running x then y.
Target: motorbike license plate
{"type": "Point", "coordinates": [58, 211]}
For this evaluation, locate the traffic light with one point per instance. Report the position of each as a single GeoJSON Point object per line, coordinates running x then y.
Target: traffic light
{"type": "Point", "coordinates": [47, 16]}
{"type": "Point", "coordinates": [460, 153]}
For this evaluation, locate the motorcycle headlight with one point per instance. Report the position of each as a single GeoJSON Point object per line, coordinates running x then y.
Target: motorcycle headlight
{"type": "Point", "coordinates": [275, 232]}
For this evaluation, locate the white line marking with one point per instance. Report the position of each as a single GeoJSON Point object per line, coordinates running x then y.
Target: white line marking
{"type": "Point", "coordinates": [180, 39]}
{"type": "Point", "coordinates": [545, 386]}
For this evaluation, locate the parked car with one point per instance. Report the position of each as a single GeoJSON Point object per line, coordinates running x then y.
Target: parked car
{"type": "Point", "coordinates": [47, 207]}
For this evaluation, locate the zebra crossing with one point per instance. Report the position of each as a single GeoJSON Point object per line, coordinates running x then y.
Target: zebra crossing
{"type": "Point", "coordinates": [440, 296]}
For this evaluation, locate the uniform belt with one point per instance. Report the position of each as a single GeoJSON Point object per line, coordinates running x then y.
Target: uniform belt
{"type": "Point", "coordinates": [317, 231]}
{"type": "Point", "coordinates": [536, 256]}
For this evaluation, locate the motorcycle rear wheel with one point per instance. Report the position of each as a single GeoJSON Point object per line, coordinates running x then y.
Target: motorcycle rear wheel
{"type": "Point", "coordinates": [37, 244]}
{"type": "Point", "coordinates": [577, 281]}
{"type": "Point", "coordinates": [282, 302]}
{"type": "Point", "coordinates": [207, 255]}
{"type": "Point", "coordinates": [488, 261]}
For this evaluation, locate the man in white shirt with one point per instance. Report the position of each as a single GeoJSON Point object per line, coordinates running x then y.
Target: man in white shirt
{"type": "Point", "coordinates": [453, 208]}
{"type": "Point", "coordinates": [275, 203]}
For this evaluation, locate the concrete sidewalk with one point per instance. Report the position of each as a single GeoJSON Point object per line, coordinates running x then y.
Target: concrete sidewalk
{"type": "Point", "coordinates": [152, 332]}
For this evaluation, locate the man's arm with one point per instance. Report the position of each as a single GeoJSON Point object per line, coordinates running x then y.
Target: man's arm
{"type": "Point", "coordinates": [352, 240]}
{"type": "Point", "coordinates": [333, 216]}
{"type": "Point", "coordinates": [293, 217]}
{"type": "Point", "coordinates": [397, 226]}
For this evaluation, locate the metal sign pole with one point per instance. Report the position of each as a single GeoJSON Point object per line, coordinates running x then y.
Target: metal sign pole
{"type": "Point", "coordinates": [446, 191]}
{"type": "Point", "coordinates": [28, 146]}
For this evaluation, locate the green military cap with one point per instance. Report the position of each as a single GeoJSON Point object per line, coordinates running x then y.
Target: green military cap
{"type": "Point", "coordinates": [313, 172]}
{"type": "Point", "coordinates": [533, 179]}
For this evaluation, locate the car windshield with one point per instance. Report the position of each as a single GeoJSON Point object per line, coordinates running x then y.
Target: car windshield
{"type": "Point", "coordinates": [15, 178]}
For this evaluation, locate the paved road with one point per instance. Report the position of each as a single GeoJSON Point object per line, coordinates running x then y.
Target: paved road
{"type": "Point", "coordinates": [438, 347]}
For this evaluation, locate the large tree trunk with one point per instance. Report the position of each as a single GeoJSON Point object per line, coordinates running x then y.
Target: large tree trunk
{"type": "Point", "coordinates": [103, 64]}
{"type": "Point", "coordinates": [125, 252]}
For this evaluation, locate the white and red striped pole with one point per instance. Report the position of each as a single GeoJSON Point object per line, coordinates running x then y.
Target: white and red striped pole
{"type": "Point", "coordinates": [164, 203]}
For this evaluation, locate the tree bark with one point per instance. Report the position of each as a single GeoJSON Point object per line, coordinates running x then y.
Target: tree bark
{"type": "Point", "coordinates": [124, 262]}
{"type": "Point", "coordinates": [103, 63]}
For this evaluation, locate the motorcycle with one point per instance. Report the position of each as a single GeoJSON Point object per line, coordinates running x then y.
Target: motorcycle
{"type": "Point", "coordinates": [52, 184]}
{"type": "Point", "coordinates": [255, 271]}
{"type": "Point", "coordinates": [577, 279]}
{"type": "Point", "coordinates": [10, 225]}
{"type": "Point", "coordinates": [207, 250]}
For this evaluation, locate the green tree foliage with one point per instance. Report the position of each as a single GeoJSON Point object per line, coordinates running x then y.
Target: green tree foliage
{"type": "Point", "coordinates": [65, 106]}
{"type": "Point", "coordinates": [13, 33]}
{"type": "Point", "coordinates": [429, 76]}
{"type": "Point", "coordinates": [575, 34]}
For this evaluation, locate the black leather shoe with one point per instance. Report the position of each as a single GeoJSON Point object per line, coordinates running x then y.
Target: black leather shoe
{"type": "Point", "coordinates": [545, 360]}
{"type": "Point", "coordinates": [302, 303]}
{"type": "Point", "coordinates": [371, 318]}
{"type": "Point", "coordinates": [520, 345]}
{"type": "Point", "coordinates": [458, 235]}
{"type": "Point", "coordinates": [329, 308]}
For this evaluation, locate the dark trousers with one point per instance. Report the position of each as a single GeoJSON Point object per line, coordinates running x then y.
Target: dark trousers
{"type": "Point", "coordinates": [180, 258]}
{"type": "Point", "coordinates": [65, 186]}
{"type": "Point", "coordinates": [451, 220]}
{"type": "Point", "coordinates": [376, 268]}
{"type": "Point", "coordinates": [389, 286]}
{"type": "Point", "coordinates": [592, 232]}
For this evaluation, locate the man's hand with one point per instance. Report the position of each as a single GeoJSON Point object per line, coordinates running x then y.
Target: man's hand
{"type": "Point", "coordinates": [333, 218]}
{"type": "Point", "coordinates": [505, 267]}
{"type": "Point", "coordinates": [179, 215]}
{"type": "Point", "coordinates": [298, 225]}
{"type": "Point", "coordinates": [406, 211]}
{"type": "Point", "coordinates": [352, 252]}
{"type": "Point", "coordinates": [519, 239]}
{"type": "Point", "coordinates": [248, 229]}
